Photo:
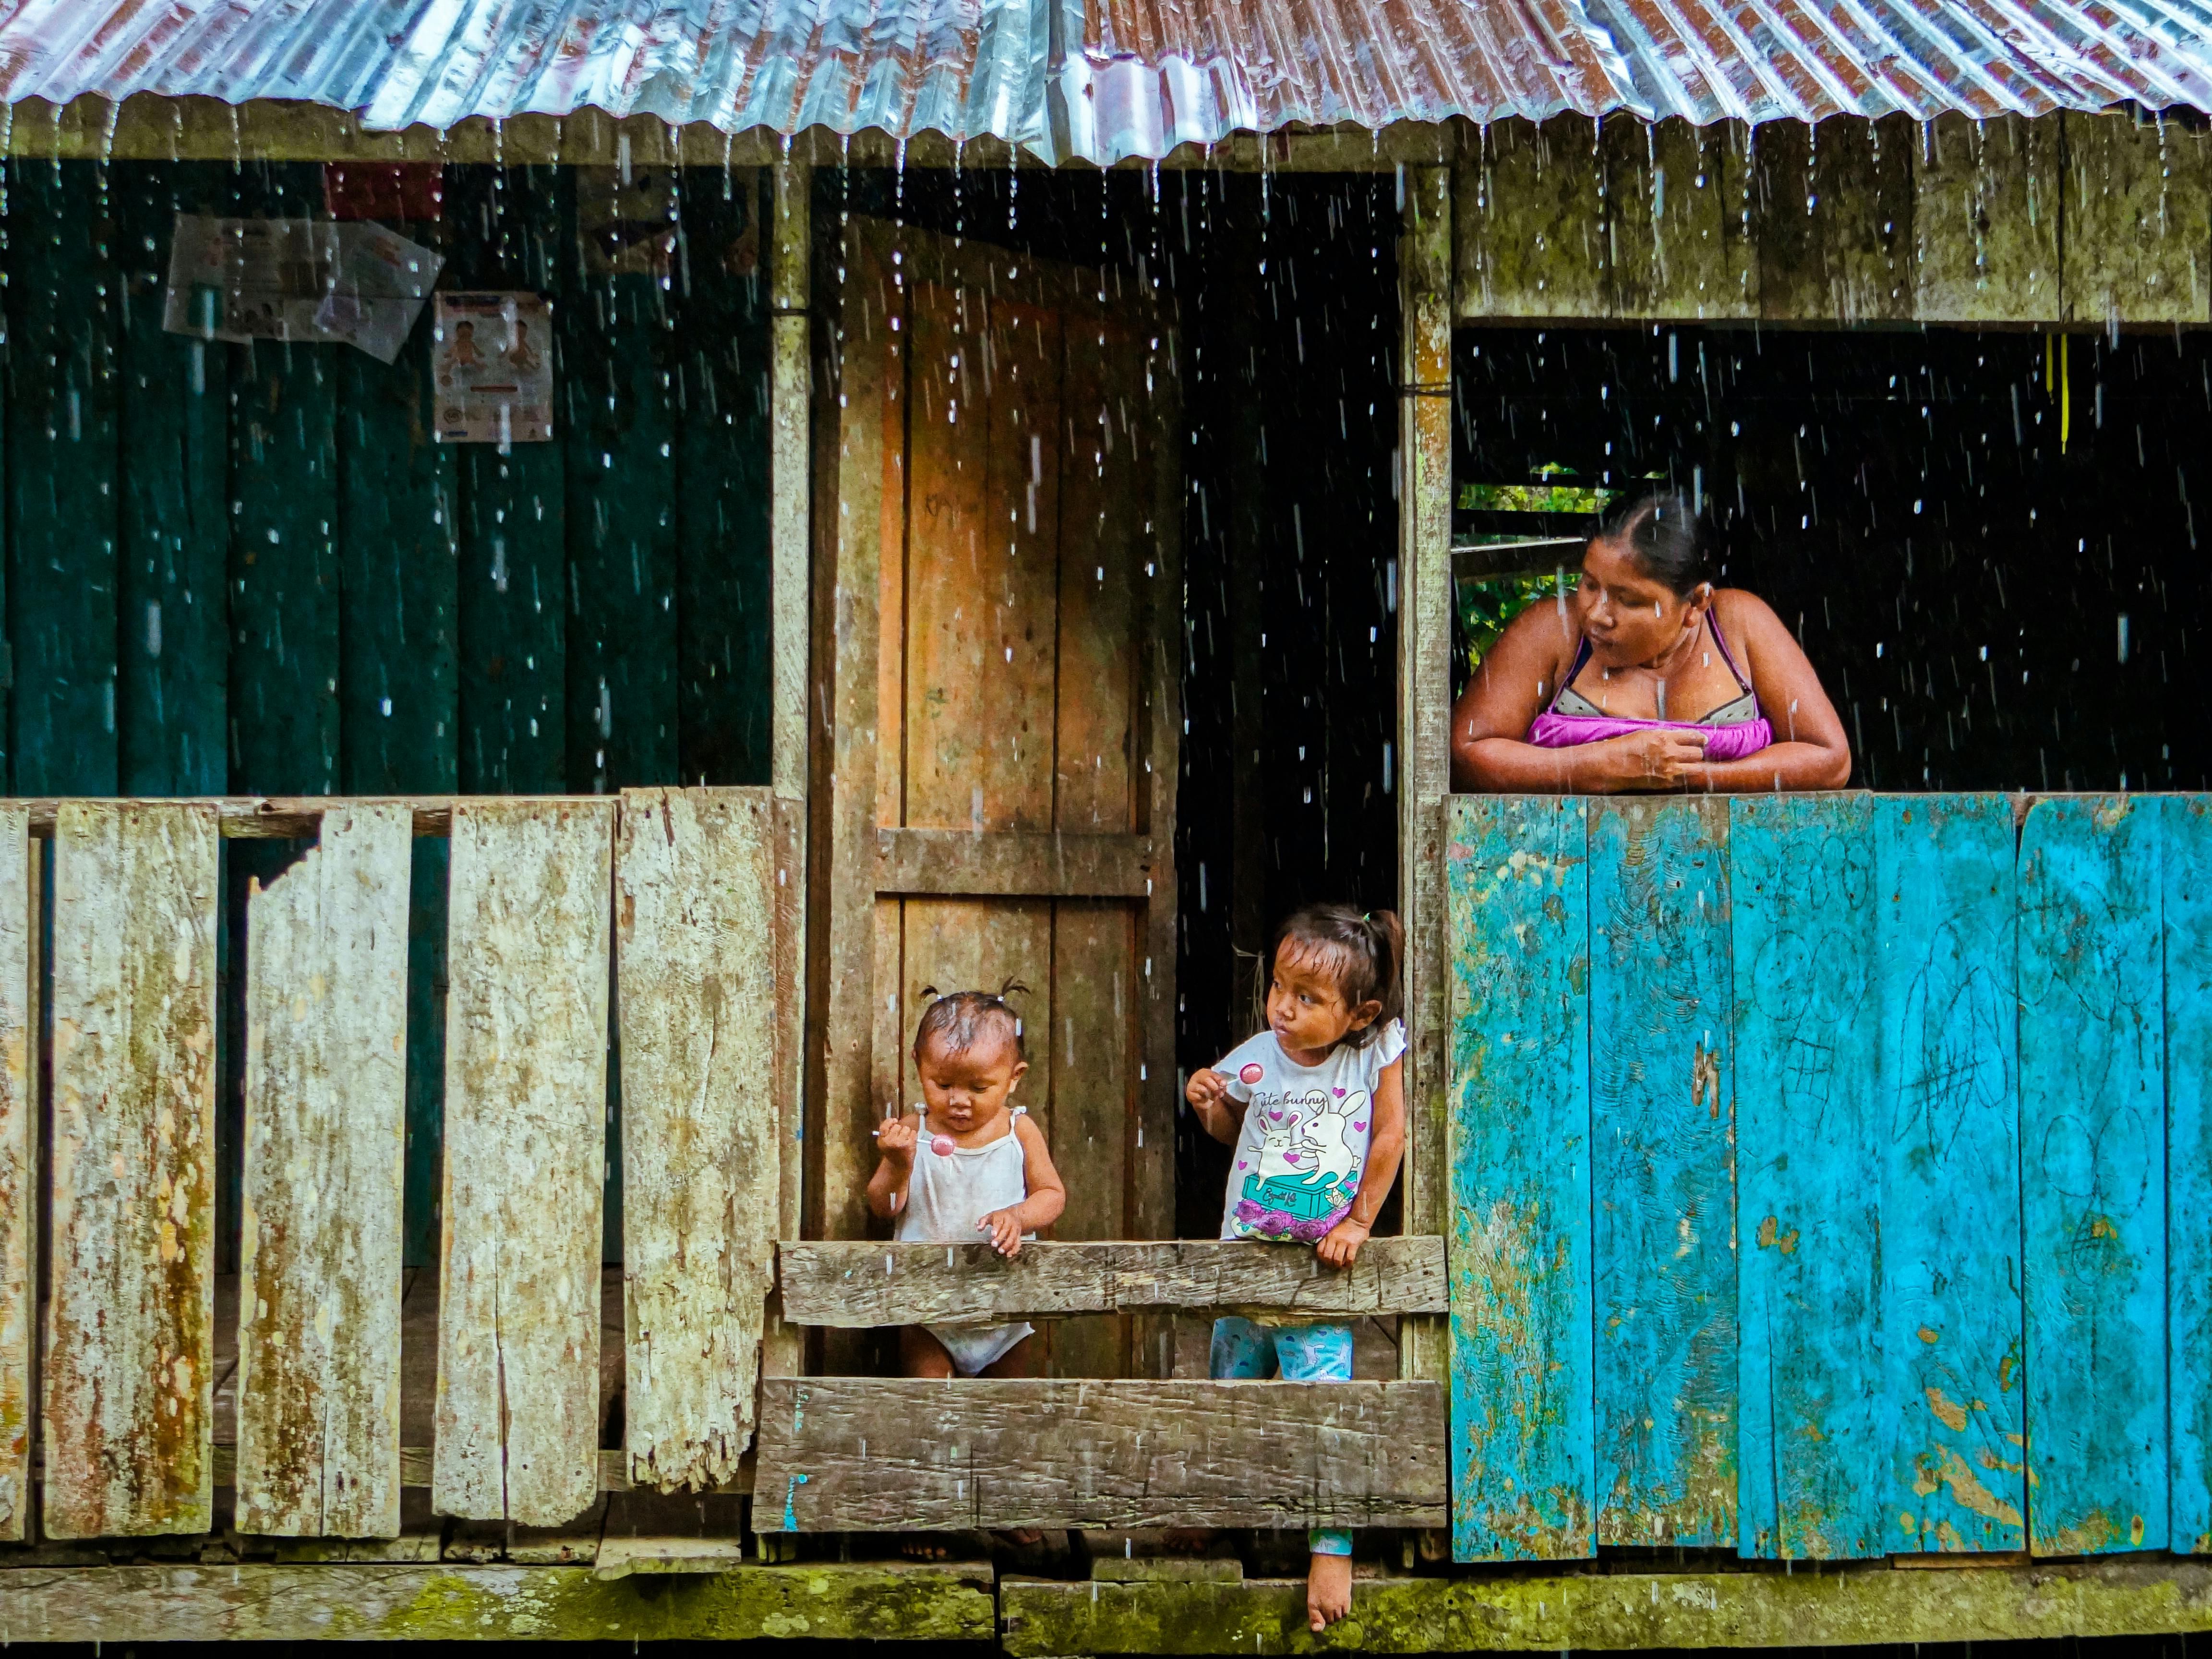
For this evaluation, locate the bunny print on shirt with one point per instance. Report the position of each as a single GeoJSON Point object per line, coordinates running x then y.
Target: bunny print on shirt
{"type": "Point", "coordinates": [1304, 1145]}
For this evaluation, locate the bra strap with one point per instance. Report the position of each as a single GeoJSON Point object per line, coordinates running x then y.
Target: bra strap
{"type": "Point", "coordinates": [1582, 657]}
{"type": "Point", "coordinates": [1713, 622]}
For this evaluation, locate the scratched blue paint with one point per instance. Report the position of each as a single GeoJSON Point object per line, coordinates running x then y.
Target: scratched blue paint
{"type": "Point", "coordinates": [2093, 1174]}
{"type": "Point", "coordinates": [1662, 1172]}
{"type": "Point", "coordinates": [1801, 879]}
{"type": "Point", "coordinates": [1522, 1471]}
{"type": "Point", "coordinates": [1948, 1091]}
{"type": "Point", "coordinates": [2187, 904]}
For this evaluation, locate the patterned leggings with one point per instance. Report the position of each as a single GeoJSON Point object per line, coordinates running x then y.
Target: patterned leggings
{"type": "Point", "coordinates": [1297, 1354]}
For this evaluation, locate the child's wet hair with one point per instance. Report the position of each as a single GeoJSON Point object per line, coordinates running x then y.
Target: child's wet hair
{"type": "Point", "coordinates": [1360, 950]}
{"type": "Point", "coordinates": [952, 1024]}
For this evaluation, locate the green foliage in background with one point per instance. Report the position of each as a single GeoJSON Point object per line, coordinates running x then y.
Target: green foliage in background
{"type": "Point", "coordinates": [1487, 604]}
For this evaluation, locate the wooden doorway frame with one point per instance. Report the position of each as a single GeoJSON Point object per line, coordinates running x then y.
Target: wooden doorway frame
{"type": "Point", "coordinates": [858, 860]}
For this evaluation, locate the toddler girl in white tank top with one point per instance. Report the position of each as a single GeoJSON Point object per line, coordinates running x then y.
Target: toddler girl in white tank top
{"type": "Point", "coordinates": [966, 1167]}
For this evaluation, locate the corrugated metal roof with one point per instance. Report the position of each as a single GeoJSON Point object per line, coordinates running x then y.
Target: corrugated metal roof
{"type": "Point", "coordinates": [1109, 79]}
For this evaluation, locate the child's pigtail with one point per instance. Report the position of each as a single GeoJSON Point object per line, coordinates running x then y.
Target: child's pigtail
{"type": "Point", "coordinates": [1389, 936]}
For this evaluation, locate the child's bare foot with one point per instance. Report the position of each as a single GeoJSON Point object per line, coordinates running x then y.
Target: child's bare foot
{"type": "Point", "coordinates": [927, 1546]}
{"type": "Point", "coordinates": [1328, 1591]}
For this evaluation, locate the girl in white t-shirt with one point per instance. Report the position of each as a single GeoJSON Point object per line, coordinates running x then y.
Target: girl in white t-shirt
{"type": "Point", "coordinates": [1315, 1108]}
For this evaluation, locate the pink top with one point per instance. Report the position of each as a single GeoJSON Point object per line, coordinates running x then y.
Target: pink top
{"type": "Point", "coordinates": [1735, 731]}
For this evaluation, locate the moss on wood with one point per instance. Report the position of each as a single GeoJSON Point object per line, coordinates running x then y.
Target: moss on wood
{"type": "Point", "coordinates": [1869, 1604]}
{"type": "Point", "coordinates": [257, 1602]}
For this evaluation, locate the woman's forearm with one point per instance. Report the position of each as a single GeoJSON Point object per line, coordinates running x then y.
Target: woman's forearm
{"type": "Point", "coordinates": [1505, 767]}
{"type": "Point", "coordinates": [1778, 768]}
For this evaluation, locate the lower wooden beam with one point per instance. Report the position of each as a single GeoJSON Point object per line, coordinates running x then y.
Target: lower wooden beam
{"type": "Point", "coordinates": [861, 1285]}
{"type": "Point", "coordinates": [844, 1454]}
{"type": "Point", "coordinates": [934, 1601]}
{"type": "Point", "coordinates": [1862, 1605]}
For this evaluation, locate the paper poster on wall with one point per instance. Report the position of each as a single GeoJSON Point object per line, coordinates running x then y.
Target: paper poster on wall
{"type": "Point", "coordinates": [296, 279]}
{"type": "Point", "coordinates": [491, 363]}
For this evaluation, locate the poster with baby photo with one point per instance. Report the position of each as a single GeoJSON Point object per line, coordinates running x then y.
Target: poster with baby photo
{"type": "Point", "coordinates": [491, 356]}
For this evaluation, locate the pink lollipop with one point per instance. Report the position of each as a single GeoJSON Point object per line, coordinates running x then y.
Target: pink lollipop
{"type": "Point", "coordinates": [942, 1145]}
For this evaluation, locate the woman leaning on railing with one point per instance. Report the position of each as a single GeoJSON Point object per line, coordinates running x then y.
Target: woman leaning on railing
{"type": "Point", "coordinates": [1648, 678]}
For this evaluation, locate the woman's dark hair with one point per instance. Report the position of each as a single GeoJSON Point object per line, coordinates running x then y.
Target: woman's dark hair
{"type": "Point", "coordinates": [953, 1022]}
{"type": "Point", "coordinates": [1360, 950]}
{"type": "Point", "coordinates": [1665, 536]}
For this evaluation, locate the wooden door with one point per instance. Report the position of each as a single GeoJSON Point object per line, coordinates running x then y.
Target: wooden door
{"type": "Point", "coordinates": [997, 657]}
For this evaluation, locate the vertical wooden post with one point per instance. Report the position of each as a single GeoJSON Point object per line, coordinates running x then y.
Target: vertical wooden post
{"type": "Point", "coordinates": [790, 557]}
{"type": "Point", "coordinates": [1247, 857]}
{"type": "Point", "coordinates": [19, 1165]}
{"type": "Point", "coordinates": [1152, 1207]}
{"type": "Point", "coordinates": [849, 525]}
{"type": "Point", "coordinates": [1424, 448]}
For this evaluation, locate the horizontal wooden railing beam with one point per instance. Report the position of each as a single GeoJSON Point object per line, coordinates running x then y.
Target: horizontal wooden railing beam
{"type": "Point", "coordinates": [415, 1470]}
{"type": "Point", "coordinates": [860, 1285]}
{"type": "Point", "coordinates": [293, 818]}
{"type": "Point", "coordinates": [954, 863]}
{"type": "Point", "coordinates": [849, 1453]}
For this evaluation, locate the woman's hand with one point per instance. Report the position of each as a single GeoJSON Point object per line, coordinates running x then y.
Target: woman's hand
{"type": "Point", "coordinates": [1658, 758]}
{"type": "Point", "coordinates": [1342, 1246]}
{"type": "Point", "coordinates": [896, 1141]}
{"type": "Point", "coordinates": [1005, 1227]}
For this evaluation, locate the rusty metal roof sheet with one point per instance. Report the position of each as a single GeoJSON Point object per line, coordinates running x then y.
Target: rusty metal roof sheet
{"type": "Point", "coordinates": [1109, 79]}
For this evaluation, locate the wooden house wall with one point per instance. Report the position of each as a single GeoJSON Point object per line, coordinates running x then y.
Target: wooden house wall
{"type": "Point", "coordinates": [247, 570]}
{"type": "Point", "coordinates": [2091, 220]}
{"type": "Point", "coordinates": [1829, 1175]}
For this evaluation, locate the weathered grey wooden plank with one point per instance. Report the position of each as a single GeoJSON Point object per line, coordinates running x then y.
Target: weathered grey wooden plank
{"type": "Point", "coordinates": [2138, 221]}
{"type": "Point", "coordinates": [953, 862]}
{"type": "Point", "coordinates": [19, 1165]}
{"type": "Point", "coordinates": [864, 1284]}
{"type": "Point", "coordinates": [1832, 216]}
{"type": "Point", "coordinates": [864, 1454]}
{"type": "Point", "coordinates": [415, 1470]}
{"type": "Point", "coordinates": [790, 528]}
{"type": "Point", "coordinates": [1529, 223]}
{"type": "Point", "coordinates": [525, 1154]}
{"type": "Point", "coordinates": [129, 1411]}
{"type": "Point", "coordinates": [325, 1149]}
{"type": "Point", "coordinates": [1424, 633]}
{"type": "Point", "coordinates": [1985, 220]}
{"type": "Point", "coordinates": [701, 1179]}
{"type": "Point", "coordinates": [830, 1600]}
{"type": "Point", "coordinates": [1674, 246]}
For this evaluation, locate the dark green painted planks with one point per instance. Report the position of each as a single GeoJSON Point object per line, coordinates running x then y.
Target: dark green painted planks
{"type": "Point", "coordinates": [63, 518]}
{"type": "Point", "coordinates": [173, 644]}
{"type": "Point", "coordinates": [247, 569]}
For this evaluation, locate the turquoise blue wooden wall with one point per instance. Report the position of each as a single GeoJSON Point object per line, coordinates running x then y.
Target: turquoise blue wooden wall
{"type": "Point", "coordinates": [247, 569]}
{"type": "Point", "coordinates": [1832, 1175]}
